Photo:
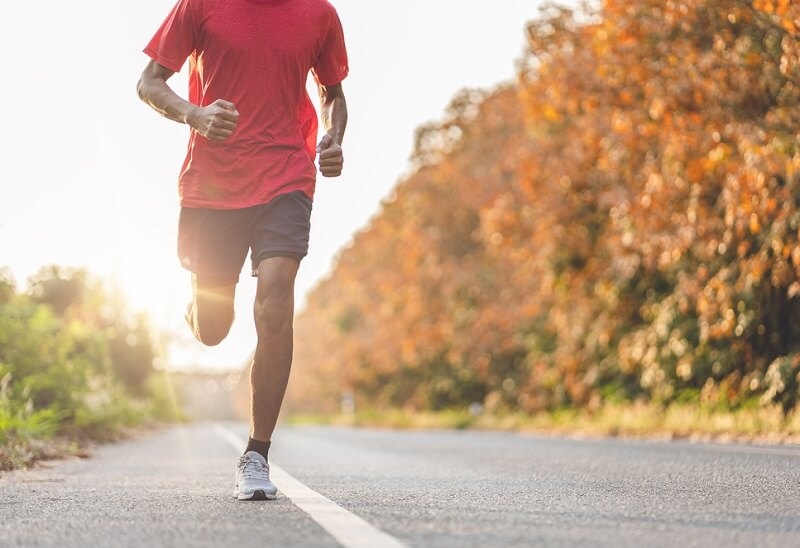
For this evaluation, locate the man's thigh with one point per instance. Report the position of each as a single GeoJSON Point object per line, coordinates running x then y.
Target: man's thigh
{"type": "Point", "coordinates": [213, 244]}
{"type": "Point", "coordinates": [281, 229]}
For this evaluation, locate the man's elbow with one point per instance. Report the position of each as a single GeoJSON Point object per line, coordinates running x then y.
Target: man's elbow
{"type": "Point", "coordinates": [336, 92]}
{"type": "Point", "coordinates": [141, 89]}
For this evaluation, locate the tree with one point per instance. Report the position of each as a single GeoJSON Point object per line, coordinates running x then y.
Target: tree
{"type": "Point", "coordinates": [623, 223]}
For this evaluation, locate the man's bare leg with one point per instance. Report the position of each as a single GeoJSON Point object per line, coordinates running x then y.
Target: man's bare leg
{"type": "Point", "coordinates": [210, 314]}
{"type": "Point", "coordinates": [274, 316]}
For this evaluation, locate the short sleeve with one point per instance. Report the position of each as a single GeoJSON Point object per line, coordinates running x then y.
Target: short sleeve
{"type": "Point", "coordinates": [332, 66]}
{"type": "Point", "coordinates": [174, 41]}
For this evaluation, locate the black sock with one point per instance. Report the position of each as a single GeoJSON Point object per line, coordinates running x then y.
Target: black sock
{"type": "Point", "coordinates": [261, 447]}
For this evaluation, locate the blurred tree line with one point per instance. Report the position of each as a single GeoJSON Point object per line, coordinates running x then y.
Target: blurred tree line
{"type": "Point", "coordinates": [74, 361]}
{"type": "Point", "coordinates": [620, 224]}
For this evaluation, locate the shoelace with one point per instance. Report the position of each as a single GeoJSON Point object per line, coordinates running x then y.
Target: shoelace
{"type": "Point", "coordinates": [253, 469]}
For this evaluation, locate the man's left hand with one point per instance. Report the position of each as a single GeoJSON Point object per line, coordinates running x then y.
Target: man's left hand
{"type": "Point", "coordinates": [331, 158]}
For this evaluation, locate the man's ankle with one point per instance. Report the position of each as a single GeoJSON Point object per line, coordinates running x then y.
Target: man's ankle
{"type": "Point", "coordinates": [260, 447]}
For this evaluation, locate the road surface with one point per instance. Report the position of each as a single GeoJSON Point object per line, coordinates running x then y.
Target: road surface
{"type": "Point", "coordinates": [369, 487]}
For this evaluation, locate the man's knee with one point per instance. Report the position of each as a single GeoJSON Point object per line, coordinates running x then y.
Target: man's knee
{"type": "Point", "coordinates": [274, 308]}
{"type": "Point", "coordinates": [274, 305]}
{"type": "Point", "coordinates": [210, 315]}
{"type": "Point", "coordinates": [211, 333]}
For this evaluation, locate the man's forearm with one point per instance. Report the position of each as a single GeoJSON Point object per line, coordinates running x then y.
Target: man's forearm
{"type": "Point", "coordinates": [334, 113]}
{"type": "Point", "coordinates": [158, 94]}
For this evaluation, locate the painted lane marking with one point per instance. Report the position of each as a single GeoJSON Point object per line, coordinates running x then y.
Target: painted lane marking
{"type": "Point", "coordinates": [347, 528]}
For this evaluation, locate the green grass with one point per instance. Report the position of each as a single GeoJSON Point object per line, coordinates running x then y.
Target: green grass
{"type": "Point", "coordinates": [28, 436]}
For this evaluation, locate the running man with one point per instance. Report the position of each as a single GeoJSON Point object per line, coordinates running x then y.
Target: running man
{"type": "Point", "coordinates": [248, 177]}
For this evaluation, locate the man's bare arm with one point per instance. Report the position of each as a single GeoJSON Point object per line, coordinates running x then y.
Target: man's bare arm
{"type": "Point", "coordinates": [333, 107]}
{"type": "Point", "coordinates": [216, 121]}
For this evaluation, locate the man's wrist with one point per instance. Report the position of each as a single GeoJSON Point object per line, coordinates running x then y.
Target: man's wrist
{"type": "Point", "coordinates": [190, 115]}
{"type": "Point", "coordinates": [336, 136]}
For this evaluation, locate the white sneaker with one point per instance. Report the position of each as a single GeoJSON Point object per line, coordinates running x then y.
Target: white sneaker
{"type": "Point", "coordinates": [252, 478]}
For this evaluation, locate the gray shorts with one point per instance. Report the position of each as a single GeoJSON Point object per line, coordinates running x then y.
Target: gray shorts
{"type": "Point", "coordinates": [213, 243]}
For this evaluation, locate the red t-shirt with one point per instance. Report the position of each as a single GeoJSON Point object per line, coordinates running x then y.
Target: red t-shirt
{"type": "Point", "coordinates": [256, 54]}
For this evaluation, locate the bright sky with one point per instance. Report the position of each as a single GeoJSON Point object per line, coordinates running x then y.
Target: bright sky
{"type": "Point", "coordinates": [89, 172]}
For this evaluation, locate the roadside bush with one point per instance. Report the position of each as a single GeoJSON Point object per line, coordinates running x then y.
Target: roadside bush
{"type": "Point", "coordinates": [74, 363]}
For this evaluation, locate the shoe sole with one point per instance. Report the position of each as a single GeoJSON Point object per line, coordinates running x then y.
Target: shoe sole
{"type": "Point", "coordinates": [258, 494]}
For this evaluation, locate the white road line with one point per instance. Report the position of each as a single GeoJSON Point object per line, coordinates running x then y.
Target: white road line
{"type": "Point", "coordinates": [347, 528]}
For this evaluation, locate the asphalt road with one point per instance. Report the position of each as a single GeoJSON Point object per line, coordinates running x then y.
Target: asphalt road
{"type": "Point", "coordinates": [426, 489]}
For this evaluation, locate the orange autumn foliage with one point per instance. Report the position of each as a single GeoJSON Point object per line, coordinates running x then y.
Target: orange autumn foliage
{"type": "Point", "coordinates": [622, 223]}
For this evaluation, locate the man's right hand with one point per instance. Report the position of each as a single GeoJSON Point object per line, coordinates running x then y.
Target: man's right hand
{"type": "Point", "coordinates": [215, 122]}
